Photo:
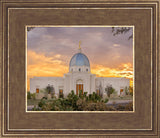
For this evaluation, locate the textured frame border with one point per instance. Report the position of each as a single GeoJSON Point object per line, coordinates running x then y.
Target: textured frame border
{"type": "Point", "coordinates": [2, 72]}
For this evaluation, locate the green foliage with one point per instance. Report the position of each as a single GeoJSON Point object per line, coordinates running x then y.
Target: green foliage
{"type": "Point", "coordinates": [31, 95]}
{"type": "Point", "coordinates": [61, 95]}
{"type": "Point", "coordinates": [73, 102]}
{"type": "Point", "coordinates": [126, 90]}
{"type": "Point", "coordinates": [28, 95]}
{"type": "Point", "coordinates": [50, 89]}
{"type": "Point", "coordinates": [131, 90]}
{"type": "Point", "coordinates": [109, 90]}
{"type": "Point", "coordinates": [30, 28]}
{"type": "Point", "coordinates": [106, 100]}
{"type": "Point", "coordinates": [42, 102]}
{"type": "Point", "coordinates": [36, 109]}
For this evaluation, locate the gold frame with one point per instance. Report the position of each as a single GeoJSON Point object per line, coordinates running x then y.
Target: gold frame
{"type": "Point", "coordinates": [153, 131]}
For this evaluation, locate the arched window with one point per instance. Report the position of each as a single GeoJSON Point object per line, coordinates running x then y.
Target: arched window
{"type": "Point", "coordinates": [79, 69]}
{"type": "Point", "coordinates": [60, 93]}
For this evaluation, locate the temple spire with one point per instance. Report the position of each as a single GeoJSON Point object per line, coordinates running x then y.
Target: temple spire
{"type": "Point", "coordinates": [79, 46]}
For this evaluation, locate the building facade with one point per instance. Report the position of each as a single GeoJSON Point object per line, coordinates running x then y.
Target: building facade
{"type": "Point", "coordinates": [79, 78]}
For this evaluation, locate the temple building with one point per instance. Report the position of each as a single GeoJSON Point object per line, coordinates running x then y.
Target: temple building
{"type": "Point", "coordinates": [78, 78]}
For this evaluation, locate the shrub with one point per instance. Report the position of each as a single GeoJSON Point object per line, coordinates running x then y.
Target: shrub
{"type": "Point", "coordinates": [61, 95]}
{"type": "Point", "coordinates": [36, 109]}
{"type": "Point", "coordinates": [45, 98]}
{"type": "Point", "coordinates": [106, 100]}
{"type": "Point", "coordinates": [33, 95]}
{"type": "Point", "coordinates": [73, 102]}
{"type": "Point", "coordinates": [28, 95]}
{"type": "Point", "coordinates": [109, 90]}
{"type": "Point", "coordinates": [81, 103]}
{"type": "Point", "coordinates": [131, 90]}
{"type": "Point", "coordinates": [42, 103]}
{"type": "Point", "coordinates": [126, 89]}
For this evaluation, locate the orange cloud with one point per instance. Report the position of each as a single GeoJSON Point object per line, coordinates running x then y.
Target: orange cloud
{"type": "Point", "coordinates": [41, 65]}
{"type": "Point", "coordinates": [123, 70]}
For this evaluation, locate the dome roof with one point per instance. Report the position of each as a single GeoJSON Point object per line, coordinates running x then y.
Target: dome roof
{"type": "Point", "coordinates": [79, 59]}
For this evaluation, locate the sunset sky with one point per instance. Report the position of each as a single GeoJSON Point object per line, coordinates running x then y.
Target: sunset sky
{"type": "Point", "coordinates": [49, 50]}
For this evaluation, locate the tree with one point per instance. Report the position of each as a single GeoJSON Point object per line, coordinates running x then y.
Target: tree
{"type": "Point", "coordinates": [109, 90]}
{"type": "Point", "coordinates": [126, 89]}
{"type": "Point", "coordinates": [30, 28]}
{"type": "Point", "coordinates": [131, 90]}
{"type": "Point", "coordinates": [122, 30]}
{"type": "Point", "coordinates": [50, 89]}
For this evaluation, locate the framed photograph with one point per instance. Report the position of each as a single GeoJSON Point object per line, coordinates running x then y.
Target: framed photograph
{"type": "Point", "coordinates": [79, 68]}
{"type": "Point", "coordinates": [102, 80]}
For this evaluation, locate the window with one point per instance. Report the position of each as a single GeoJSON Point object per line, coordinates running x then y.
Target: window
{"type": "Point", "coordinates": [121, 91]}
{"type": "Point", "coordinates": [60, 93]}
{"type": "Point", "coordinates": [79, 69]}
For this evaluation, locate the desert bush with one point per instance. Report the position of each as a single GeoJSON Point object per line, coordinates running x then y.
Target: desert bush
{"type": "Point", "coordinates": [106, 100]}
{"type": "Point", "coordinates": [73, 102]}
{"type": "Point", "coordinates": [81, 103]}
{"type": "Point", "coordinates": [42, 103]}
{"type": "Point", "coordinates": [109, 90]}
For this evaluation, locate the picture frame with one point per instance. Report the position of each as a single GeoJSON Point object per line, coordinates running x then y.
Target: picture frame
{"type": "Point", "coordinates": [122, 99]}
{"type": "Point", "coordinates": [16, 14]}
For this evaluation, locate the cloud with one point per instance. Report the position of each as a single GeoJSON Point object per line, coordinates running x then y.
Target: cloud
{"type": "Point", "coordinates": [116, 45]}
{"type": "Point", "coordinates": [41, 65]}
{"type": "Point", "coordinates": [104, 71]}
